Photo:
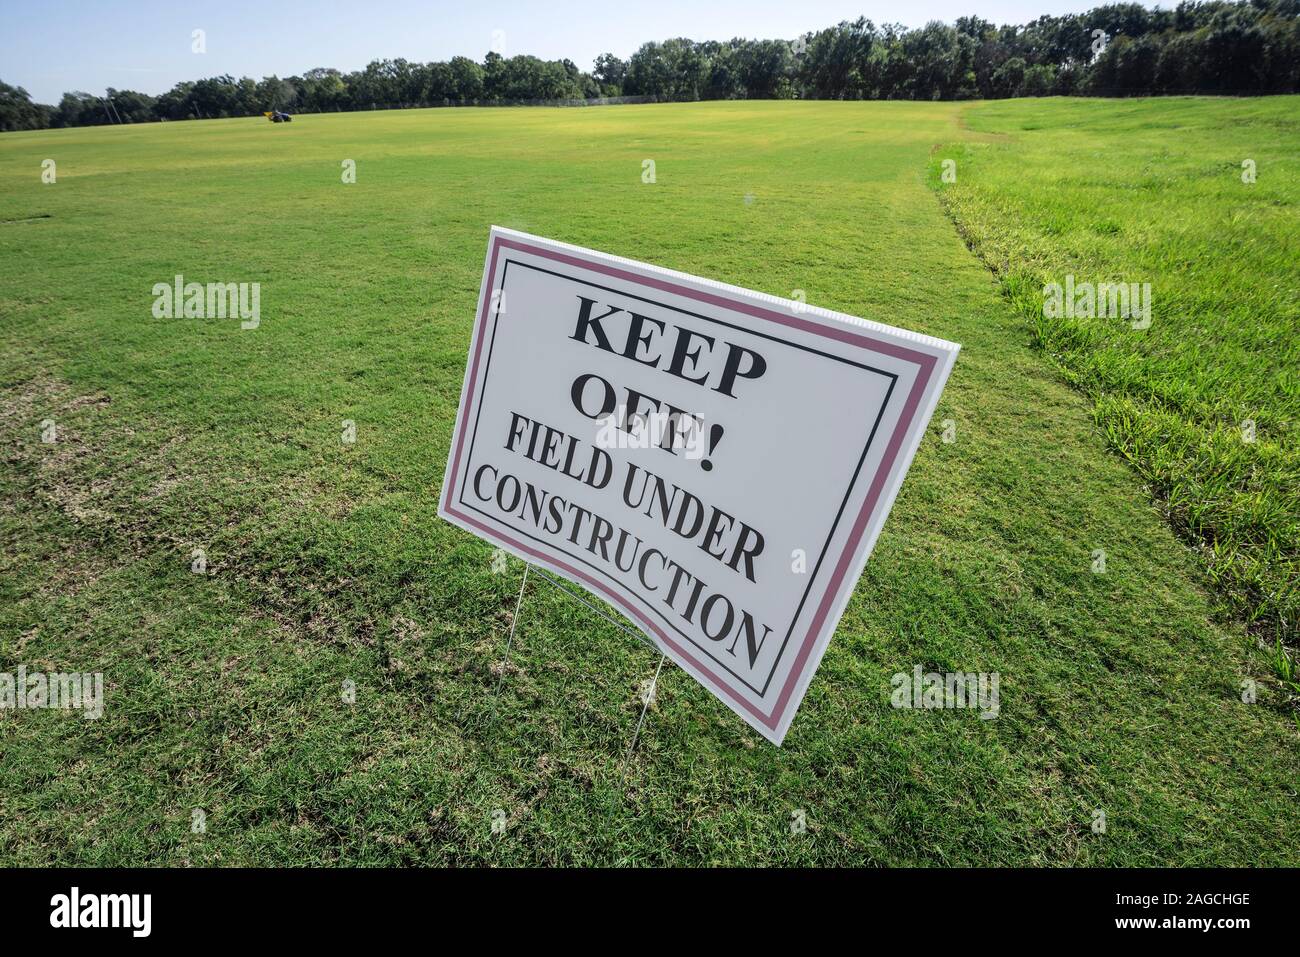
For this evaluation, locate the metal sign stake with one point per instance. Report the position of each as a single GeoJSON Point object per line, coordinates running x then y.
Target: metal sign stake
{"type": "Point", "coordinates": [514, 623]}
{"type": "Point", "coordinates": [649, 695]}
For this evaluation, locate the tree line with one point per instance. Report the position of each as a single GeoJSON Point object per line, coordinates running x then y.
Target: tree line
{"type": "Point", "coordinates": [1238, 47]}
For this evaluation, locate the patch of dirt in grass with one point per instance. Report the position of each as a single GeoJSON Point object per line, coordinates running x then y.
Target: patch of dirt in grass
{"type": "Point", "coordinates": [73, 451]}
{"type": "Point", "coordinates": [111, 479]}
{"type": "Point", "coordinates": [38, 428]}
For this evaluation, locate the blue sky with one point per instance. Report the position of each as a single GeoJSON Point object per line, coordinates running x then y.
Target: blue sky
{"type": "Point", "coordinates": [56, 45]}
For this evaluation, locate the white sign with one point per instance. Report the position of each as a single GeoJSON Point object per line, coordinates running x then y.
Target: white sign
{"type": "Point", "coordinates": [714, 462]}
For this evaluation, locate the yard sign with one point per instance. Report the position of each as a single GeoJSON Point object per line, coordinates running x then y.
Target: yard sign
{"type": "Point", "coordinates": [715, 462]}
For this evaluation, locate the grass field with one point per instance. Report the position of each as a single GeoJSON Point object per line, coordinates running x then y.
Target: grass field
{"type": "Point", "coordinates": [1120, 692]}
{"type": "Point", "coordinates": [1205, 403]}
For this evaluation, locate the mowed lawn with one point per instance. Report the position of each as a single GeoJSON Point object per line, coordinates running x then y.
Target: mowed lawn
{"type": "Point", "coordinates": [1121, 693]}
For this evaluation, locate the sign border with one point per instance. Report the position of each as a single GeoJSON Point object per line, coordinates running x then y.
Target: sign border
{"type": "Point", "coordinates": [932, 368]}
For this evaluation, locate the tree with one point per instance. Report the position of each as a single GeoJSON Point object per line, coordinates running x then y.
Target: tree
{"type": "Point", "coordinates": [81, 109]}
{"type": "Point", "coordinates": [1135, 65]}
{"type": "Point", "coordinates": [1040, 80]}
{"type": "Point", "coordinates": [18, 112]}
{"type": "Point", "coordinates": [610, 72]}
{"type": "Point", "coordinates": [725, 80]}
{"type": "Point", "coordinates": [939, 59]}
{"type": "Point", "coordinates": [686, 67]}
{"type": "Point", "coordinates": [648, 72]}
{"type": "Point", "coordinates": [175, 103]}
{"type": "Point", "coordinates": [833, 59]}
{"type": "Point", "coordinates": [469, 79]}
{"type": "Point", "coordinates": [323, 90]}
{"type": "Point", "coordinates": [439, 84]}
{"type": "Point", "coordinates": [1009, 77]}
{"type": "Point", "coordinates": [215, 97]}
{"type": "Point", "coordinates": [274, 94]}
{"type": "Point", "coordinates": [493, 75]}
{"type": "Point", "coordinates": [766, 67]}
{"type": "Point", "coordinates": [130, 106]}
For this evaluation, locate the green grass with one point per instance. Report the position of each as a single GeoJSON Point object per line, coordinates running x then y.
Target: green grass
{"type": "Point", "coordinates": [1120, 692]}
{"type": "Point", "coordinates": [1152, 191]}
